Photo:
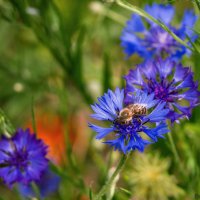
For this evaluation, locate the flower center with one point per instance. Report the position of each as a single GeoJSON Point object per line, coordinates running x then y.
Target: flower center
{"type": "Point", "coordinates": [19, 159]}
{"type": "Point", "coordinates": [16, 158]}
{"type": "Point", "coordinates": [160, 41]}
{"type": "Point", "coordinates": [162, 38]}
{"type": "Point", "coordinates": [161, 92]}
{"type": "Point", "coordinates": [133, 126]}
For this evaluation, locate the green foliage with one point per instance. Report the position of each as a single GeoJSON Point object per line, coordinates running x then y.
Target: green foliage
{"type": "Point", "coordinates": [6, 127]}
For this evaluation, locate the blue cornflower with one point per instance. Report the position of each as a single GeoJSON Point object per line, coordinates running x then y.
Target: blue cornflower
{"type": "Point", "coordinates": [143, 114]}
{"type": "Point", "coordinates": [22, 158]}
{"type": "Point", "coordinates": [48, 183]}
{"type": "Point", "coordinates": [155, 41]}
{"type": "Point", "coordinates": [169, 82]}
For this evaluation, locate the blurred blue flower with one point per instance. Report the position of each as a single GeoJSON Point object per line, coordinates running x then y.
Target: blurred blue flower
{"type": "Point", "coordinates": [22, 158]}
{"type": "Point", "coordinates": [128, 123]}
{"type": "Point", "coordinates": [169, 82]}
{"type": "Point", "coordinates": [48, 183]}
{"type": "Point", "coordinates": [155, 41]}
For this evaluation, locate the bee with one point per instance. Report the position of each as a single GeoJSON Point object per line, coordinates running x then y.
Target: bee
{"type": "Point", "coordinates": [131, 111]}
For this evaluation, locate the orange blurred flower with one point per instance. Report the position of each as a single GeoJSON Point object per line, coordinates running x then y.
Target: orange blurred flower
{"type": "Point", "coordinates": [50, 129]}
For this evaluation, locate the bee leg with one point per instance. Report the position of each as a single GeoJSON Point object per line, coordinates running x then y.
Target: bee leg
{"type": "Point", "coordinates": [138, 119]}
{"type": "Point", "coordinates": [145, 122]}
{"type": "Point", "coordinates": [116, 131]}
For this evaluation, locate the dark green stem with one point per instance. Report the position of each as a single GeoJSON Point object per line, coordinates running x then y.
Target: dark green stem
{"type": "Point", "coordinates": [175, 152]}
{"type": "Point", "coordinates": [108, 184]}
{"type": "Point", "coordinates": [33, 116]}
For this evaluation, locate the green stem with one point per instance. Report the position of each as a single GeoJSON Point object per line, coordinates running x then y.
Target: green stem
{"type": "Point", "coordinates": [33, 116]}
{"type": "Point", "coordinates": [197, 3]}
{"type": "Point", "coordinates": [144, 14]}
{"type": "Point", "coordinates": [108, 184]}
{"type": "Point", "coordinates": [175, 152]}
{"type": "Point", "coordinates": [36, 191]}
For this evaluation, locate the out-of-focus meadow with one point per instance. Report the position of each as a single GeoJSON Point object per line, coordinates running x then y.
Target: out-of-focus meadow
{"type": "Point", "coordinates": [56, 58]}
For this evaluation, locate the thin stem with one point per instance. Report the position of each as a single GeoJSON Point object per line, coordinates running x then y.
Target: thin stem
{"type": "Point", "coordinates": [175, 152]}
{"type": "Point", "coordinates": [197, 3]}
{"type": "Point", "coordinates": [36, 191]}
{"type": "Point", "coordinates": [108, 184]}
{"type": "Point", "coordinates": [33, 116]}
{"type": "Point", "coordinates": [144, 14]}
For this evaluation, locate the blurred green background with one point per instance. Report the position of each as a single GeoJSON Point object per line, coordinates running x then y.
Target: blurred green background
{"type": "Point", "coordinates": [56, 58]}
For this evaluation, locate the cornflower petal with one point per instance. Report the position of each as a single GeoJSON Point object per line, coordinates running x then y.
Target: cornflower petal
{"type": "Point", "coordinates": [161, 12]}
{"type": "Point", "coordinates": [102, 132]}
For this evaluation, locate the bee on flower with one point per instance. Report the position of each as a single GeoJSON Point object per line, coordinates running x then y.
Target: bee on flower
{"type": "Point", "coordinates": [128, 122]}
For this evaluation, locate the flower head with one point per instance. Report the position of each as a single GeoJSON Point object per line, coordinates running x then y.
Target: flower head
{"type": "Point", "coordinates": [129, 122]}
{"type": "Point", "coordinates": [148, 174]}
{"type": "Point", "coordinates": [155, 41]}
{"type": "Point", "coordinates": [22, 158]}
{"type": "Point", "coordinates": [48, 183]}
{"type": "Point", "coordinates": [169, 82]}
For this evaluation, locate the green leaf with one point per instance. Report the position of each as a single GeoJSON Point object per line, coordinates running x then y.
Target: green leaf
{"type": "Point", "coordinates": [126, 191]}
{"type": "Point", "coordinates": [90, 194]}
{"type": "Point", "coordinates": [197, 3]}
{"type": "Point", "coordinates": [6, 127]}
